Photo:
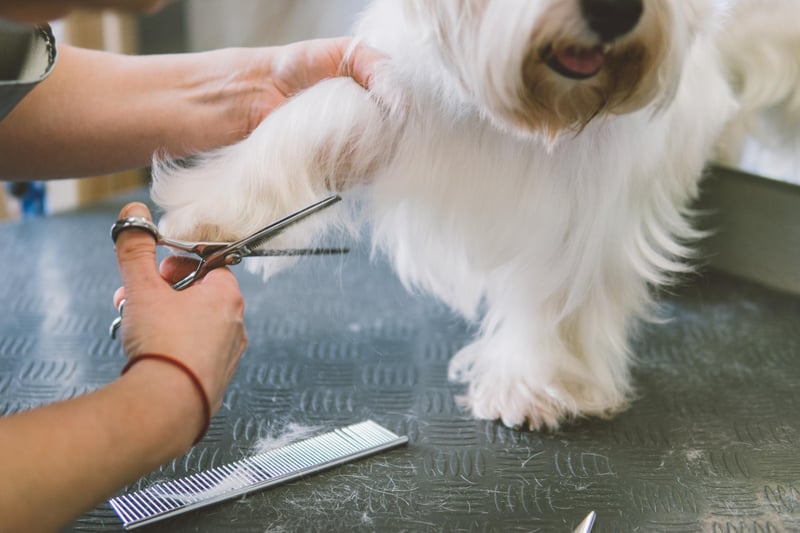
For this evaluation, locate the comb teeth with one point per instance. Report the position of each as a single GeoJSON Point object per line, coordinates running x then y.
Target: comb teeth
{"type": "Point", "coordinates": [232, 480]}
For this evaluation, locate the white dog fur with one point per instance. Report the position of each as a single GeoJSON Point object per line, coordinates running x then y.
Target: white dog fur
{"type": "Point", "coordinates": [760, 46]}
{"type": "Point", "coordinates": [542, 205]}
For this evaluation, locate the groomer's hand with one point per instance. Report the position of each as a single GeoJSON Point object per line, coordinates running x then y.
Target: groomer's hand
{"type": "Point", "coordinates": [202, 326]}
{"type": "Point", "coordinates": [286, 70]}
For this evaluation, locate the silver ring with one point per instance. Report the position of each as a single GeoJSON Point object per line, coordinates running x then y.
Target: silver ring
{"type": "Point", "coordinates": [117, 323]}
{"type": "Point", "coordinates": [133, 223]}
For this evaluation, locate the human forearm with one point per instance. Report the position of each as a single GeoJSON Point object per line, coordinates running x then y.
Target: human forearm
{"type": "Point", "coordinates": [183, 348]}
{"type": "Point", "coordinates": [64, 458]}
{"type": "Point", "coordinates": [101, 112]}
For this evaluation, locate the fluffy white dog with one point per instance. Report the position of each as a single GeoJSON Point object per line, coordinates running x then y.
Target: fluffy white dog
{"type": "Point", "coordinates": [527, 161]}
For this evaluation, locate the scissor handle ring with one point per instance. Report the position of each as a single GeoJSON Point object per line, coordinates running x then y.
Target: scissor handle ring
{"type": "Point", "coordinates": [133, 223]}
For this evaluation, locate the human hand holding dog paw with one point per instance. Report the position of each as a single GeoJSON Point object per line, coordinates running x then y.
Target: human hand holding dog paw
{"type": "Point", "coordinates": [290, 69]}
{"type": "Point", "coordinates": [200, 327]}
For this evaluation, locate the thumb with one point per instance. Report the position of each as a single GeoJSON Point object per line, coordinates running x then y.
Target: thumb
{"type": "Point", "coordinates": [361, 62]}
{"type": "Point", "coordinates": [136, 250]}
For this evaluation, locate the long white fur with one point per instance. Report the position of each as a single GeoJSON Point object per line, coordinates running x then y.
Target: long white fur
{"type": "Point", "coordinates": [552, 242]}
{"type": "Point", "coordinates": [760, 48]}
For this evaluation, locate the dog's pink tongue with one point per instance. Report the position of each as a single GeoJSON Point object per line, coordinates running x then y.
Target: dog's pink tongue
{"type": "Point", "coordinates": [584, 61]}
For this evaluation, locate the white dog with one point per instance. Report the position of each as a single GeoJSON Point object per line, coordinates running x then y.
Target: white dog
{"type": "Point", "coordinates": [528, 161]}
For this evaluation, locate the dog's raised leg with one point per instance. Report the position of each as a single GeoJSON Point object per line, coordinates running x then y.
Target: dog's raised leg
{"type": "Point", "coordinates": [327, 138]}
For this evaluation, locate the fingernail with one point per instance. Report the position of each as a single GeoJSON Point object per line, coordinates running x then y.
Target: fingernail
{"type": "Point", "coordinates": [135, 209]}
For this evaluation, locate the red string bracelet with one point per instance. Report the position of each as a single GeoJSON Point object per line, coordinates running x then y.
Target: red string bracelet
{"type": "Point", "coordinates": [189, 373]}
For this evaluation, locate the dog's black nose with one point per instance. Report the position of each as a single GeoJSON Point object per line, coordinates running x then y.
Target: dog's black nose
{"type": "Point", "coordinates": [611, 18]}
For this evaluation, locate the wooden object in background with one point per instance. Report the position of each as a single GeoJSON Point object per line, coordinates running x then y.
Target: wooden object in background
{"type": "Point", "coordinates": [3, 204]}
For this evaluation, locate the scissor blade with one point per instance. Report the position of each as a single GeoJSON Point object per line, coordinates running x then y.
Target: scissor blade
{"type": "Point", "coordinates": [250, 243]}
{"type": "Point", "coordinates": [290, 252]}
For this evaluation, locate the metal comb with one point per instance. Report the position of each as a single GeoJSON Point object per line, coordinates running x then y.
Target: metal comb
{"type": "Point", "coordinates": [164, 500]}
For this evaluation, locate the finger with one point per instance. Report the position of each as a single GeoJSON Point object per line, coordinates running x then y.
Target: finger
{"type": "Point", "coordinates": [361, 62]}
{"type": "Point", "coordinates": [222, 279]}
{"type": "Point", "coordinates": [136, 250]}
{"type": "Point", "coordinates": [223, 284]}
{"type": "Point", "coordinates": [174, 268]}
{"type": "Point", "coordinates": [119, 295]}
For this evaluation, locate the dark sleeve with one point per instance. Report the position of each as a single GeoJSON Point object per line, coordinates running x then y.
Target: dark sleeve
{"type": "Point", "coordinates": [27, 56]}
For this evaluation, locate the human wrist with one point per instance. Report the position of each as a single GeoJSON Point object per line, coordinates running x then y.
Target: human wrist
{"type": "Point", "coordinates": [189, 374]}
{"type": "Point", "coordinates": [224, 90]}
{"type": "Point", "coordinates": [167, 408]}
{"type": "Point", "coordinates": [199, 103]}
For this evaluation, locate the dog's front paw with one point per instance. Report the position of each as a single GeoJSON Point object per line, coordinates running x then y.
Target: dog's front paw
{"type": "Point", "coordinates": [496, 390]}
{"type": "Point", "coordinates": [517, 405]}
{"type": "Point", "coordinates": [516, 389]}
{"type": "Point", "coordinates": [193, 223]}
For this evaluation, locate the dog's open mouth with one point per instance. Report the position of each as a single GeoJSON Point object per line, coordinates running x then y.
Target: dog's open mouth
{"type": "Point", "coordinates": [575, 62]}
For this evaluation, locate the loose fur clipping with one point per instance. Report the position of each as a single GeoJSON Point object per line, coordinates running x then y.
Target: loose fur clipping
{"type": "Point", "coordinates": [280, 437]}
{"type": "Point", "coordinates": [512, 162]}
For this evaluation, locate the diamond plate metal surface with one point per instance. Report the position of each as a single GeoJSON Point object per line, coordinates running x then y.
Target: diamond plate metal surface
{"type": "Point", "coordinates": [709, 444]}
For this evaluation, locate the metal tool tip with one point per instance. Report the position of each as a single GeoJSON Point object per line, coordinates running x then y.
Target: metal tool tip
{"type": "Point", "coordinates": [587, 524]}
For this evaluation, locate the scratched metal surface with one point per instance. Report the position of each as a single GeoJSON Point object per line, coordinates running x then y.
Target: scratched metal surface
{"type": "Point", "coordinates": [710, 444]}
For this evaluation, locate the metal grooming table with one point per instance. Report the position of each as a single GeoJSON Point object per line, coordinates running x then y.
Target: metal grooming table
{"type": "Point", "coordinates": [709, 444]}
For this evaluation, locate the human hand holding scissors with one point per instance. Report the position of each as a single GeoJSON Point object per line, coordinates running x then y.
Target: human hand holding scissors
{"type": "Point", "coordinates": [217, 254]}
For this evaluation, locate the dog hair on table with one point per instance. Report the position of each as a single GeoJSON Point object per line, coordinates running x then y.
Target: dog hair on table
{"type": "Point", "coordinates": [530, 163]}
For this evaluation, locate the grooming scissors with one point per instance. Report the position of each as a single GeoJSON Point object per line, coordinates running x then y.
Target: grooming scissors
{"type": "Point", "coordinates": [217, 254]}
